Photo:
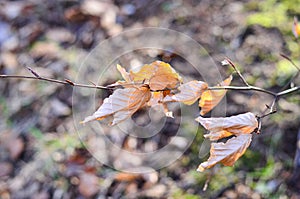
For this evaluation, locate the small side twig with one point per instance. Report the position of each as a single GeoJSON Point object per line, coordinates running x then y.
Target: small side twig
{"type": "Point", "coordinates": [70, 82]}
{"type": "Point", "coordinates": [267, 114]}
{"type": "Point", "coordinates": [295, 75]}
{"type": "Point", "coordinates": [257, 130]}
{"type": "Point", "coordinates": [237, 71]}
{"type": "Point", "coordinates": [290, 60]}
{"type": "Point", "coordinates": [33, 72]}
{"type": "Point", "coordinates": [288, 91]}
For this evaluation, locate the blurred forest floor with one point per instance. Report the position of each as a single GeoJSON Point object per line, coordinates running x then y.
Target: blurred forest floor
{"type": "Point", "coordinates": [41, 154]}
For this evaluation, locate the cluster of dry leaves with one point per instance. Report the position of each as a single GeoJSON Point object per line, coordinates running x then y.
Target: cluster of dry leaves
{"type": "Point", "coordinates": [158, 84]}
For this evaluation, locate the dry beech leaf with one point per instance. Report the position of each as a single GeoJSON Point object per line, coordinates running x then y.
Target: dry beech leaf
{"type": "Point", "coordinates": [122, 104]}
{"type": "Point", "coordinates": [211, 98]}
{"type": "Point", "coordinates": [227, 153]}
{"type": "Point", "coordinates": [296, 28]}
{"type": "Point", "coordinates": [89, 184]}
{"type": "Point", "coordinates": [127, 177]}
{"type": "Point", "coordinates": [189, 92]}
{"type": "Point", "coordinates": [226, 126]}
{"type": "Point", "coordinates": [124, 73]}
{"type": "Point", "coordinates": [157, 100]}
{"type": "Point", "coordinates": [126, 76]}
{"type": "Point", "coordinates": [159, 75]}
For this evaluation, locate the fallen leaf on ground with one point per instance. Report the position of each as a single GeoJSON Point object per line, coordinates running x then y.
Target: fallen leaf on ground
{"type": "Point", "coordinates": [16, 147]}
{"type": "Point", "coordinates": [127, 177]}
{"type": "Point", "coordinates": [89, 184]}
{"type": "Point", "coordinates": [5, 169]}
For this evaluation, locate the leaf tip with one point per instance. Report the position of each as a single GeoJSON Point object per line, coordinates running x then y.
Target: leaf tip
{"type": "Point", "coordinates": [199, 119]}
{"type": "Point", "coordinates": [200, 168]}
{"type": "Point", "coordinates": [88, 119]}
{"type": "Point", "coordinates": [202, 113]}
{"type": "Point", "coordinates": [119, 67]}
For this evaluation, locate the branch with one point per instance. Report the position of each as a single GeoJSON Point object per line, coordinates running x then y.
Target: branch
{"type": "Point", "coordinates": [288, 91]}
{"type": "Point", "coordinates": [254, 88]}
{"type": "Point", "coordinates": [65, 82]}
{"type": "Point", "coordinates": [228, 61]}
{"type": "Point", "coordinates": [243, 88]}
{"type": "Point", "coordinates": [71, 83]}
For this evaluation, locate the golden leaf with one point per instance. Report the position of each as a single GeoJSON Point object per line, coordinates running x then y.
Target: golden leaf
{"type": "Point", "coordinates": [223, 127]}
{"type": "Point", "coordinates": [189, 92]}
{"type": "Point", "coordinates": [210, 98]}
{"type": "Point", "coordinates": [227, 153]}
{"type": "Point", "coordinates": [296, 28]}
{"type": "Point", "coordinates": [122, 104]}
{"type": "Point", "coordinates": [124, 73]}
{"type": "Point", "coordinates": [159, 75]}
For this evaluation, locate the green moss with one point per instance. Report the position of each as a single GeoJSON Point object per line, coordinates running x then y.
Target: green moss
{"type": "Point", "coordinates": [266, 172]}
{"type": "Point", "coordinates": [179, 194]}
{"type": "Point", "coordinates": [51, 143]}
{"type": "Point", "coordinates": [3, 107]}
{"type": "Point", "coordinates": [284, 71]}
{"type": "Point", "coordinates": [250, 160]}
{"type": "Point", "coordinates": [224, 177]}
{"type": "Point", "coordinates": [274, 16]}
{"type": "Point", "coordinates": [272, 13]}
{"type": "Point", "coordinates": [36, 133]}
{"type": "Point", "coordinates": [285, 68]}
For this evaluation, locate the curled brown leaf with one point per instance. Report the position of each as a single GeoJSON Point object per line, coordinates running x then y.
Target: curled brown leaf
{"type": "Point", "coordinates": [122, 104]}
{"type": "Point", "coordinates": [226, 126]}
{"type": "Point", "coordinates": [189, 92]}
{"type": "Point", "coordinates": [227, 153]}
{"type": "Point", "coordinates": [211, 98]}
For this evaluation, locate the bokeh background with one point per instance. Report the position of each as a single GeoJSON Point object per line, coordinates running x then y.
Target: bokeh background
{"type": "Point", "coordinates": [41, 155]}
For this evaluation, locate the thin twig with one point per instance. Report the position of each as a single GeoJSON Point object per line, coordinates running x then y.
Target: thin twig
{"type": "Point", "coordinates": [288, 91]}
{"type": "Point", "coordinates": [71, 83]}
{"type": "Point", "coordinates": [65, 82]}
{"type": "Point", "coordinates": [33, 72]}
{"type": "Point", "coordinates": [254, 88]}
{"type": "Point", "coordinates": [295, 75]}
{"type": "Point", "coordinates": [237, 71]}
{"type": "Point", "coordinates": [272, 108]}
{"type": "Point", "coordinates": [265, 115]}
{"type": "Point", "coordinates": [290, 60]}
{"type": "Point", "coordinates": [243, 88]}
